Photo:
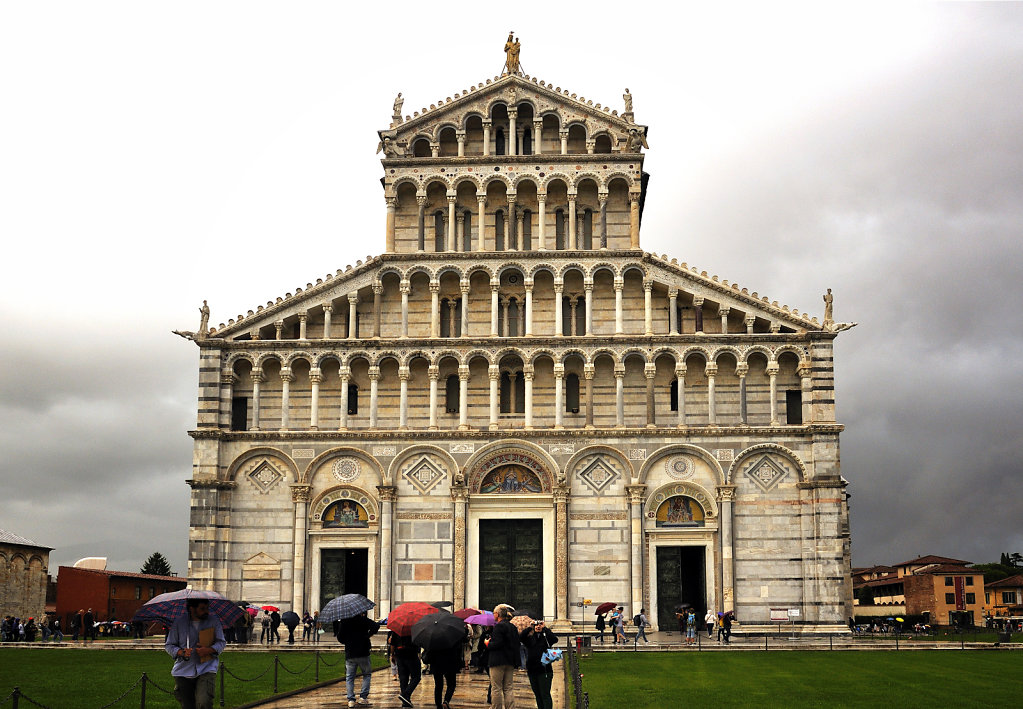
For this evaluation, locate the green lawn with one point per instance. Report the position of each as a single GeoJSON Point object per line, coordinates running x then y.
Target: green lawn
{"type": "Point", "coordinates": [87, 679]}
{"type": "Point", "coordinates": [919, 678]}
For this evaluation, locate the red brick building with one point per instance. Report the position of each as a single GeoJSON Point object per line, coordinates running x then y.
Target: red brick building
{"type": "Point", "coordinates": [112, 595]}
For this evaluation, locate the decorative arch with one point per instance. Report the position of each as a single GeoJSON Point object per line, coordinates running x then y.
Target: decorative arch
{"type": "Point", "coordinates": [757, 349]}
{"type": "Point", "coordinates": [662, 496]}
{"type": "Point", "coordinates": [675, 469]}
{"type": "Point", "coordinates": [498, 177]}
{"type": "Point", "coordinates": [511, 266]}
{"type": "Point", "coordinates": [727, 349]}
{"type": "Point", "coordinates": [473, 354]}
{"type": "Point", "coordinates": [403, 179]}
{"type": "Point", "coordinates": [556, 176]}
{"type": "Point", "coordinates": [541, 267]}
{"type": "Point", "coordinates": [449, 268]}
{"type": "Point", "coordinates": [424, 467]}
{"type": "Point", "coordinates": [542, 352]}
{"type": "Point", "coordinates": [636, 351]}
{"type": "Point", "coordinates": [328, 356]}
{"type": "Point", "coordinates": [295, 356]}
{"type": "Point", "coordinates": [573, 266]}
{"type": "Point", "coordinates": [626, 267]}
{"type": "Point", "coordinates": [407, 357]}
{"type": "Point", "coordinates": [766, 448]}
{"type": "Point", "coordinates": [358, 354]}
{"type": "Point", "coordinates": [458, 180]}
{"type": "Point", "coordinates": [256, 466]}
{"type": "Point", "coordinates": [267, 357]}
{"type": "Point", "coordinates": [526, 177]}
{"type": "Point", "coordinates": [511, 452]}
{"type": "Point", "coordinates": [333, 501]}
{"type": "Point", "coordinates": [349, 465]}
{"type": "Point", "coordinates": [239, 357]}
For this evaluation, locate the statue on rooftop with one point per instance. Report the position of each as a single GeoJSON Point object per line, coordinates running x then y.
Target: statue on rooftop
{"type": "Point", "coordinates": [511, 50]}
{"type": "Point", "coordinates": [204, 321]}
{"type": "Point", "coordinates": [628, 101]}
{"type": "Point", "coordinates": [398, 103]}
{"type": "Point", "coordinates": [829, 311]}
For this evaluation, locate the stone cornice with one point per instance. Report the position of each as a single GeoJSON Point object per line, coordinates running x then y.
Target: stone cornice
{"type": "Point", "coordinates": [211, 484]}
{"type": "Point", "coordinates": [542, 159]}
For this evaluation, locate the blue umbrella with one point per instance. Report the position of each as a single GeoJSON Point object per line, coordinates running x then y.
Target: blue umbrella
{"type": "Point", "coordinates": [168, 607]}
{"type": "Point", "coordinates": [346, 606]}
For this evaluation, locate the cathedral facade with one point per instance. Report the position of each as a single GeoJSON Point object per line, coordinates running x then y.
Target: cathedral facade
{"type": "Point", "coordinates": [515, 403]}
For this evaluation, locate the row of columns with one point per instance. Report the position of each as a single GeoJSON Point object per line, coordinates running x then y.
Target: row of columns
{"type": "Point", "coordinates": [405, 288]}
{"type": "Point", "coordinates": [228, 379]}
{"type": "Point", "coordinates": [519, 132]}
{"type": "Point", "coordinates": [455, 244]}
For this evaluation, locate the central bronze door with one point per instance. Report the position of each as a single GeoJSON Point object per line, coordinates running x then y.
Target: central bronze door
{"type": "Point", "coordinates": [343, 571]}
{"type": "Point", "coordinates": [680, 584]}
{"type": "Point", "coordinates": [511, 563]}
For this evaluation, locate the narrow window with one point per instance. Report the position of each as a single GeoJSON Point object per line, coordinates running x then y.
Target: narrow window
{"type": "Point", "coordinates": [438, 231]}
{"type": "Point", "coordinates": [296, 331]}
{"type": "Point", "coordinates": [527, 142]}
{"type": "Point", "coordinates": [794, 406]}
{"type": "Point", "coordinates": [527, 230]}
{"type": "Point", "coordinates": [513, 318]}
{"type": "Point", "coordinates": [138, 592]}
{"type": "Point", "coordinates": [588, 229]}
{"type": "Point", "coordinates": [572, 393]}
{"type": "Point", "coordinates": [969, 580]}
{"type": "Point", "coordinates": [353, 399]}
{"type": "Point", "coordinates": [240, 413]}
{"type": "Point", "coordinates": [971, 598]}
{"type": "Point", "coordinates": [520, 394]}
{"type": "Point", "coordinates": [950, 598]}
{"type": "Point", "coordinates": [499, 230]}
{"type": "Point", "coordinates": [467, 232]}
{"type": "Point", "coordinates": [152, 592]}
{"type": "Point", "coordinates": [505, 402]}
{"type": "Point", "coordinates": [499, 140]}
{"type": "Point", "coordinates": [559, 229]}
{"type": "Point", "coordinates": [674, 395]}
{"type": "Point", "coordinates": [451, 394]}
{"type": "Point", "coordinates": [948, 580]}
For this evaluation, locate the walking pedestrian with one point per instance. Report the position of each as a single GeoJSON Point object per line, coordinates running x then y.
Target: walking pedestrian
{"type": "Point", "coordinates": [410, 669]}
{"type": "Point", "coordinates": [503, 657]}
{"type": "Point", "coordinates": [710, 620]}
{"type": "Point", "coordinates": [445, 664]}
{"type": "Point", "coordinates": [601, 625]}
{"type": "Point", "coordinates": [354, 633]}
{"type": "Point", "coordinates": [265, 635]}
{"type": "Point", "coordinates": [640, 622]}
{"type": "Point", "coordinates": [620, 625]}
{"type": "Point", "coordinates": [537, 639]}
{"type": "Point", "coordinates": [726, 623]}
{"type": "Point", "coordinates": [195, 641]}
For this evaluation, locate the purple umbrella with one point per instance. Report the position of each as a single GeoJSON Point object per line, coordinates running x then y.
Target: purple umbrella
{"type": "Point", "coordinates": [168, 607]}
{"type": "Point", "coordinates": [486, 618]}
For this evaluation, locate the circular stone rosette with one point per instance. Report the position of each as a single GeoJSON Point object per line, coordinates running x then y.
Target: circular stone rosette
{"type": "Point", "coordinates": [679, 467]}
{"type": "Point", "coordinates": [346, 469]}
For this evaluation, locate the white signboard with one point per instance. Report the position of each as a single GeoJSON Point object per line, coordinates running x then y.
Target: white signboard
{"type": "Point", "coordinates": [779, 614]}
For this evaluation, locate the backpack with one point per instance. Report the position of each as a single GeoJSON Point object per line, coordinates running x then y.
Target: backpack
{"type": "Point", "coordinates": [636, 620]}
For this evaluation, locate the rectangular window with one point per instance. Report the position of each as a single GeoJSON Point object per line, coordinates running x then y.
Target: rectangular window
{"type": "Point", "coordinates": [240, 413]}
{"type": "Point", "coordinates": [950, 599]}
{"type": "Point", "coordinates": [152, 592]}
{"type": "Point", "coordinates": [794, 407]}
{"type": "Point", "coordinates": [138, 592]}
{"type": "Point", "coordinates": [969, 580]}
{"type": "Point", "coordinates": [113, 591]}
{"type": "Point", "coordinates": [971, 598]}
{"type": "Point", "coordinates": [948, 580]}
{"type": "Point", "coordinates": [1009, 598]}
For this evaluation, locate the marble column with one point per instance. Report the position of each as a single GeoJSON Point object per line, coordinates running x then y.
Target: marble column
{"type": "Point", "coordinates": [509, 224]}
{"type": "Point", "coordinates": [374, 381]}
{"type": "Point", "coordinates": [561, 494]}
{"type": "Point", "coordinates": [741, 370]}
{"type": "Point", "coordinates": [486, 136]}
{"type": "Point", "coordinates": [559, 315]}
{"type": "Point", "coordinates": [378, 290]}
{"type": "Point", "coordinates": [572, 234]}
{"type": "Point", "coordinates": [460, 137]}
{"type": "Point", "coordinates": [537, 137]}
{"type": "Point", "coordinates": [286, 379]}
{"type": "Point", "coordinates": [421, 204]}
{"type": "Point", "coordinates": [327, 311]}
{"type": "Point", "coordinates": [460, 498]}
{"type": "Point", "coordinates": [712, 416]}
{"type": "Point", "coordinates": [588, 288]}
{"type": "Point", "coordinates": [406, 288]}
{"type": "Point", "coordinates": [680, 378]}
{"type": "Point", "coordinates": [634, 221]}
{"type": "Point", "coordinates": [460, 232]}
{"type": "Point", "coordinates": [698, 309]}
{"type": "Point", "coordinates": [648, 311]}
{"type": "Point", "coordinates": [588, 373]}
{"type": "Point", "coordinates": [602, 200]}
{"type": "Point", "coordinates": [278, 330]}
{"type": "Point", "coordinates": [481, 204]}
{"type": "Point", "coordinates": [723, 312]}
{"type": "Point", "coordinates": [392, 203]}
{"type": "Point", "coordinates": [541, 225]}
{"type": "Point", "coordinates": [772, 372]}
{"type": "Point", "coordinates": [748, 321]}
{"type": "Point", "coordinates": [512, 115]}
{"type": "Point", "coordinates": [673, 312]}
{"type": "Point", "coordinates": [257, 379]}
{"type": "Point", "coordinates": [464, 287]}
{"type": "Point", "coordinates": [300, 498]}
{"type": "Point", "coordinates": [463, 397]}
{"type": "Point", "coordinates": [726, 495]}
{"type": "Point", "coordinates": [302, 319]}
{"type": "Point", "coordinates": [650, 371]}
{"type": "Point", "coordinates": [451, 222]}
{"type": "Point", "coordinates": [529, 306]}
{"type": "Point", "coordinates": [619, 286]}
{"type": "Point", "coordinates": [527, 375]}
{"type": "Point", "coordinates": [315, 377]}
{"type": "Point", "coordinates": [344, 374]}
{"type": "Point", "coordinates": [494, 304]}
{"type": "Point", "coordinates": [564, 141]}
{"type": "Point", "coordinates": [620, 395]}
{"type": "Point", "coordinates": [403, 377]}
{"type": "Point", "coordinates": [388, 496]}
{"type": "Point", "coordinates": [434, 309]}
{"type": "Point", "coordinates": [353, 320]}
{"type": "Point", "coordinates": [434, 374]}
{"type": "Point", "coordinates": [636, 494]}
{"type": "Point", "coordinates": [559, 396]}
{"type": "Point", "coordinates": [495, 381]}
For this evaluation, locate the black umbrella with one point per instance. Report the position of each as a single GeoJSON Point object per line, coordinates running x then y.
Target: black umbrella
{"type": "Point", "coordinates": [682, 607]}
{"type": "Point", "coordinates": [439, 631]}
{"type": "Point", "coordinates": [442, 604]}
{"type": "Point", "coordinates": [290, 619]}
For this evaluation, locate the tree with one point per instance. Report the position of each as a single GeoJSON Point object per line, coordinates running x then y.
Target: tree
{"type": "Point", "coordinates": [1016, 559]}
{"type": "Point", "coordinates": [156, 564]}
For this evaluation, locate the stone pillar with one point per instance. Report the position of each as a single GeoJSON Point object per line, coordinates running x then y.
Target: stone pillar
{"type": "Point", "coordinates": [723, 312]}
{"type": "Point", "coordinates": [636, 494]}
{"type": "Point", "coordinates": [741, 371]}
{"type": "Point", "coordinates": [302, 318]}
{"type": "Point", "coordinates": [344, 374]}
{"type": "Point", "coordinates": [460, 231]}
{"type": "Point", "coordinates": [509, 230]}
{"type": "Point", "coordinates": [465, 308]}
{"type": "Point", "coordinates": [278, 329]}
{"type": "Point", "coordinates": [588, 287]}
{"type": "Point", "coordinates": [406, 288]}
{"type": "Point", "coordinates": [529, 306]}
{"type": "Point", "coordinates": [648, 315]}
{"type": "Point", "coordinates": [620, 395]}
{"type": "Point", "coordinates": [328, 309]}
{"type": "Point", "coordinates": [559, 396]}
{"type": "Point", "coordinates": [392, 203]}
{"type": "Point", "coordinates": [512, 398]}
{"type": "Point", "coordinates": [634, 221]}
{"type": "Point", "coordinates": [591, 146]}
{"type": "Point", "coordinates": [434, 373]}
{"type": "Point", "coordinates": [494, 287]}
{"type": "Point", "coordinates": [421, 202]}
{"type": "Point", "coordinates": [459, 496]}
{"type": "Point", "coordinates": [463, 397]}
{"type": "Point", "coordinates": [403, 377]}
{"type": "Point", "coordinates": [315, 377]}
{"type": "Point", "coordinates": [300, 498]}
{"type": "Point", "coordinates": [698, 308]}
{"type": "Point", "coordinates": [481, 204]}
{"type": "Point", "coordinates": [573, 306]}
{"type": "Point", "coordinates": [806, 395]}
{"type": "Point", "coordinates": [495, 381]}
{"type": "Point", "coordinates": [680, 377]}
{"type": "Point", "coordinates": [649, 371]}
{"type": "Point", "coordinates": [772, 371]}
{"type": "Point", "coordinates": [559, 315]}
{"type": "Point", "coordinates": [378, 290]}
{"type": "Point", "coordinates": [374, 380]}
{"type": "Point", "coordinates": [520, 231]}
{"type": "Point", "coordinates": [460, 137]}
{"type": "Point", "coordinates": [486, 136]}
{"type": "Point", "coordinates": [541, 225]}
{"type": "Point", "coordinates": [451, 221]}
{"type": "Point", "coordinates": [512, 115]}
{"type": "Point", "coordinates": [388, 496]}
{"type": "Point", "coordinates": [527, 374]}
{"type": "Point", "coordinates": [726, 494]}
{"type": "Point", "coordinates": [673, 312]}
{"type": "Point", "coordinates": [711, 370]}
{"type": "Point", "coordinates": [286, 379]}
{"type": "Point", "coordinates": [538, 137]}
{"type": "Point", "coordinates": [564, 141]}
{"type": "Point", "coordinates": [602, 200]}
{"type": "Point", "coordinates": [434, 309]}
{"type": "Point", "coordinates": [749, 320]}
{"type": "Point", "coordinates": [452, 312]}
{"type": "Point", "coordinates": [572, 244]}
{"type": "Point", "coordinates": [588, 372]}
{"type": "Point", "coordinates": [520, 134]}
{"type": "Point", "coordinates": [505, 303]}
{"type": "Point", "coordinates": [257, 379]}
{"type": "Point", "coordinates": [619, 286]}
{"type": "Point", "coordinates": [353, 300]}
{"type": "Point", "coordinates": [434, 149]}
{"type": "Point", "coordinates": [561, 493]}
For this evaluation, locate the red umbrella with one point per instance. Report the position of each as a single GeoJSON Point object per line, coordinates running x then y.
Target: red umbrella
{"type": "Point", "coordinates": [402, 618]}
{"type": "Point", "coordinates": [604, 608]}
{"type": "Point", "coordinates": [465, 613]}
{"type": "Point", "coordinates": [271, 608]}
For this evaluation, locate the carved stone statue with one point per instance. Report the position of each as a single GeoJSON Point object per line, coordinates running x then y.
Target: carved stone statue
{"type": "Point", "coordinates": [390, 148]}
{"type": "Point", "coordinates": [628, 101]}
{"type": "Point", "coordinates": [636, 140]}
{"type": "Point", "coordinates": [459, 477]}
{"type": "Point", "coordinates": [204, 321]}
{"type": "Point", "coordinates": [398, 103]}
{"type": "Point", "coordinates": [511, 50]}
{"type": "Point", "coordinates": [829, 312]}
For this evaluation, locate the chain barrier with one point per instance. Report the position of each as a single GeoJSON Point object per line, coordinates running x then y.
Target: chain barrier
{"type": "Point", "coordinates": [9, 696]}
{"type": "Point", "coordinates": [17, 695]}
{"type": "Point", "coordinates": [297, 672]}
{"type": "Point", "coordinates": [126, 693]}
{"type": "Point", "coordinates": [582, 699]}
{"type": "Point", "coordinates": [151, 683]}
{"type": "Point", "coordinates": [331, 664]}
{"type": "Point", "coordinates": [242, 679]}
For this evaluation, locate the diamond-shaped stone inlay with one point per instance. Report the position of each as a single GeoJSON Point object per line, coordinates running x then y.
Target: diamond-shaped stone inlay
{"type": "Point", "coordinates": [424, 474]}
{"type": "Point", "coordinates": [265, 477]}
{"type": "Point", "coordinates": [765, 473]}
{"type": "Point", "coordinates": [599, 475]}
{"type": "Point", "coordinates": [346, 469]}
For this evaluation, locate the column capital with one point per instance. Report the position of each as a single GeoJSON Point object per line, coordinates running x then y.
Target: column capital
{"type": "Point", "coordinates": [635, 493]}
{"type": "Point", "coordinates": [572, 196]}
{"type": "Point", "coordinates": [494, 372]}
{"type": "Point", "coordinates": [388, 493]}
{"type": "Point", "coordinates": [433, 371]}
{"type": "Point", "coordinates": [257, 374]}
{"type": "Point", "coordinates": [588, 285]}
{"type": "Point", "coordinates": [452, 196]}
{"type": "Point", "coordinates": [773, 368]}
{"type": "Point", "coordinates": [512, 196]}
{"type": "Point", "coordinates": [527, 374]}
{"type": "Point", "coordinates": [345, 372]}
{"type": "Point", "coordinates": [588, 371]}
{"type": "Point", "coordinates": [487, 122]}
{"type": "Point", "coordinates": [710, 369]}
{"type": "Point", "coordinates": [634, 197]}
{"type": "Point", "coordinates": [391, 202]}
{"type": "Point", "coordinates": [563, 134]}
{"type": "Point", "coordinates": [619, 371]}
{"type": "Point", "coordinates": [680, 371]}
{"type": "Point", "coordinates": [602, 198]}
{"type": "Point", "coordinates": [481, 198]}
{"type": "Point", "coordinates": [650, 370]}
{"type": "Point", "coordinates": [741, 369]}
{"type": "Point", "coordinates": [353, 297]}
{"type": "Point", "coordinates": [527, 283]}
{"type": "Point", "coordinates": [421, 200]}
{"type": "Point", "coordinates": [724, 310]}
{"type": "Point", "coordinates": [300, 492]}
{"type": "Point", "coordinates": [805, 367]}
{"type": "Point", "coordinates": [374, 372]}
{"type": "Point", "coordinates": [302, 317]}
{"type": "Point", "coordinates": [513, 113]}
{"type": "Point", "coordinates": [619, 283]}
{"type": "Point", "coordinates": [435, 286]}
{"type": "Point", "coordinates": [378, 288]}
{"type": "Point", "coordinates": [697, 301]}
{"type": "Point", "coordinates": [460, 217]}
{"type": "Point", "coordinates": [559, 286]}
{"type": "Point", "coordinates": [459, 493]}
{"type": "Point", "coordinates": [460, 133]}
{"type": "Point", "coordinates": [286, 375]}
{"type": "Point", "coordinates": [405, 287]}
{"type": "Point", "coordinates": [648, 285]}
{"type": "Point", "coordinates": [673, 292]}
{"type": "Point", "coordinates": [327, 308]}
{"type": "Point", "coordinates": [561, 493]}
{"type": "Point", "coordinates": [726, 493]}
{"type": "Point", "coordinates": [495, 287]}
{"type": "Point", "coordinates": [315, 375]}
{"type": "Point", "coordinates": [749, 320]}
{"type": "Point", "coordinates": [463, 372]}
{"type": "Point", "coordinates": [403, 373]}
{"type": "Point", "coordinates": [463, 286]}
{"type": "Point", "coordinates": [559, 371]}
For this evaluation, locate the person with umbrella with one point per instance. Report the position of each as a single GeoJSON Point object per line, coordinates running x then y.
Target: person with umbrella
{"type": "Point", "coordinates": [354, 633]}
{"type": "Point", "coordinates": [441, 636]}
{"type": "Point", "coordinates": [195, 641]}
{"type": "Point", "coordinates": [290, 620]}
{"type": "Point", "coordinates": [275, 625]}
{"type": "Point", "coordinates": [503, 657]}
{"type": "Point", "coordinates": [537, 639]}
{"type": "Point", "coordinates": [410, 669]}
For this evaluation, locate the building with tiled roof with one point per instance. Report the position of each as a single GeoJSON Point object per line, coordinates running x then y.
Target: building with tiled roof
{"type": "Point", "coordinates": [112, 595]}
{"type": "Point", "coordinates": [23, 576]}
{"type": "Point", "coordinates": [1004, 598]}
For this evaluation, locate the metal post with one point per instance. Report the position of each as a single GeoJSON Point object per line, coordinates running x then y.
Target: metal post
{"type": "Point", "coordinates": [699, 641]}
{"type": "Point", "coordinates": [316, 677]}
{"type": "Point", "coordinates": [765, 641]}
{"type": "Point", "coordinates": [142, 704]}
{"type": "Point", "coordinates": [221, 670]}
{"type": "Point", "coordinates": [276, 661]}
{"type": "Point", "coordinates": [14, 696]}
{"type": "Point", "coordinates": [831, 645]}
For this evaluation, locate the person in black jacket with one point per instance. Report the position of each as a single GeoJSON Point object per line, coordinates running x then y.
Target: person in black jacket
{"type": "Point", "coordinates": [537, 639]}
{"type": "Point", "coordinates": [275, 627]}
{"type": "Point", "coordinates": [354, 634]}
{"type": "Point", "coordinates": [445, 664]}
{"type": "Point", "coordinates": [410, 670]}
{"type": "Point", "coordinates": [503, 657]}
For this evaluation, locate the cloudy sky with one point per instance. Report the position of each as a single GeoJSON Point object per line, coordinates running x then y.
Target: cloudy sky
{"type": "Point", "coordinates": [156, 154]}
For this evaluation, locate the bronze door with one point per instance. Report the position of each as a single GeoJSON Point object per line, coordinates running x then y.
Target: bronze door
{"type": "Point", "coordinates": [680, 580]}
{"type": "Point", "coordinates": [343, 571]}
{"type": "Point", "coordinates": [511, 563]}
